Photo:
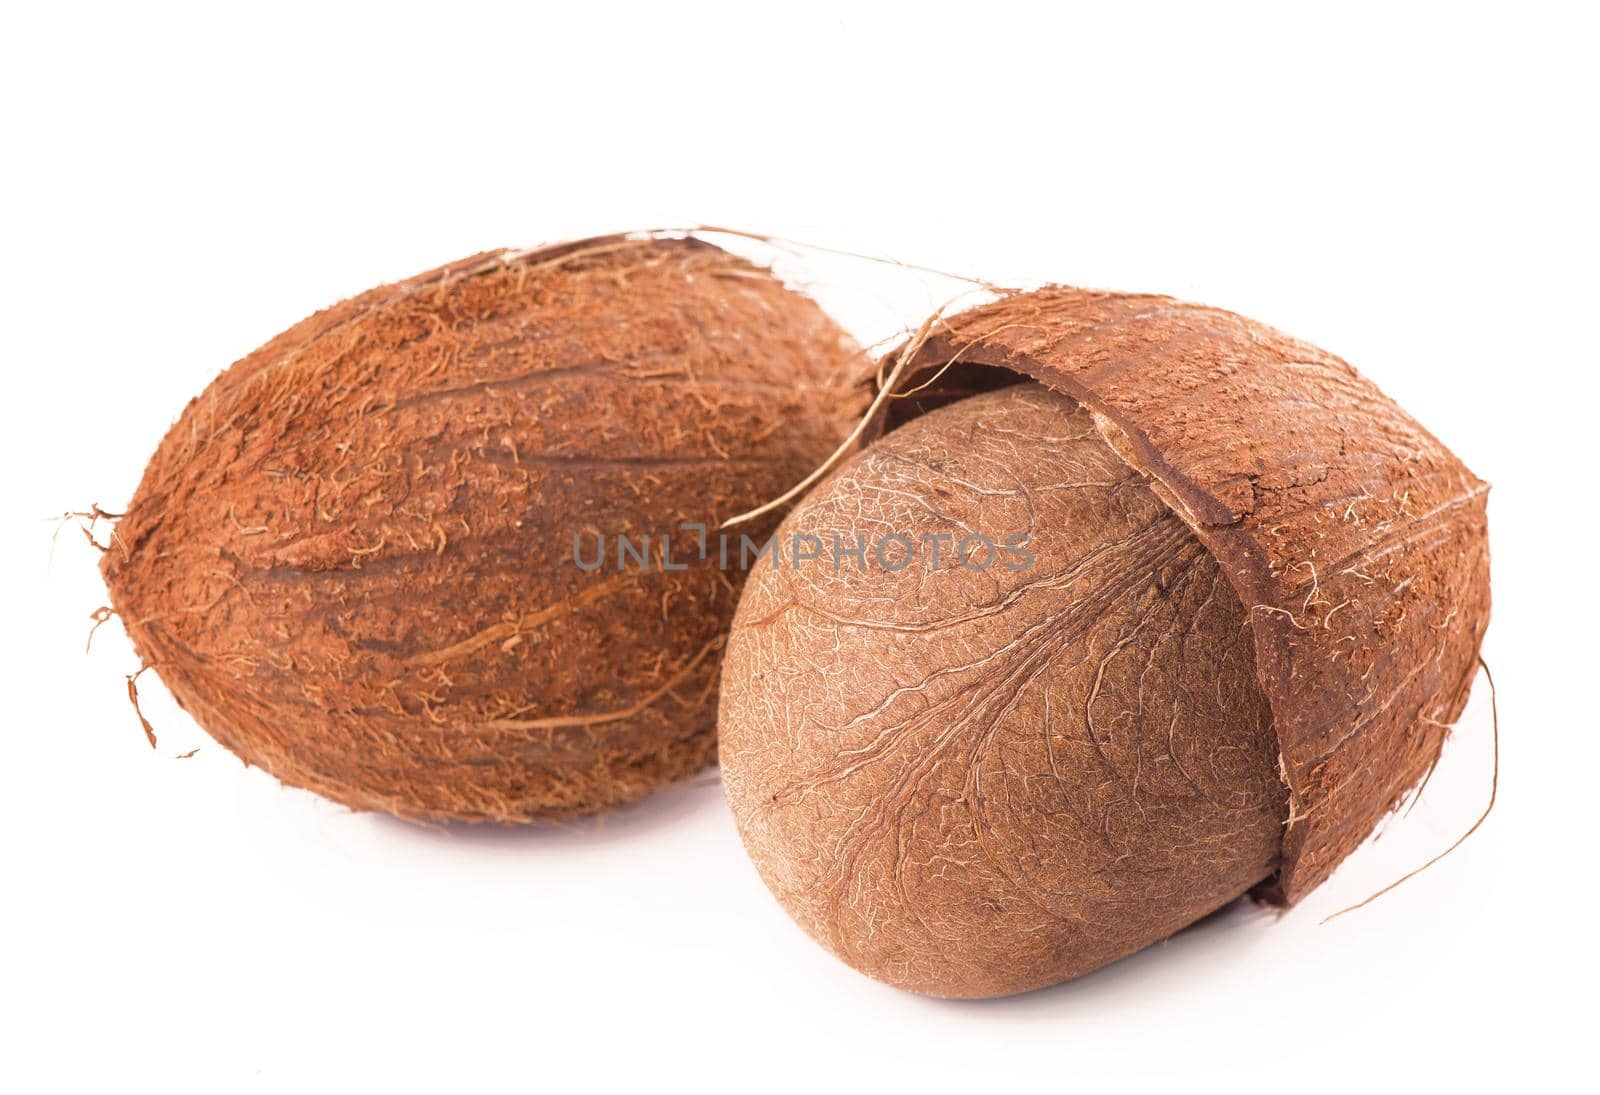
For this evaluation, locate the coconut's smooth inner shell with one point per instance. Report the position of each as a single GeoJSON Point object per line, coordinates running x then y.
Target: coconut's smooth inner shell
{"type": "Point", "coordinates": [978, 782]}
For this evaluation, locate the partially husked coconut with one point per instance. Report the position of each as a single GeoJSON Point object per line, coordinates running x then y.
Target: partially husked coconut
{"type": "Point", "coordinates": [1251, 610]}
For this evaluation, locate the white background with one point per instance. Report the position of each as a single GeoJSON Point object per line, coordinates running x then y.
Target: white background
{"type": "Point", "coordinates": [1413, 191]}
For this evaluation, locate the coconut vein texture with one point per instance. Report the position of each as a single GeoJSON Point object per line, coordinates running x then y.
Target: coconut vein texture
{"type": "Point", "coordinates": [351, 558]}
{"type": "Point", "coordinates": [974, 780]}
{"type": "Point", "coordinates": [1357, 543]}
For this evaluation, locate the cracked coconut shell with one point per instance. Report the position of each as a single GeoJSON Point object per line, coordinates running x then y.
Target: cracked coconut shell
{"type": "Point", "coordinates": [1253, 610]}
{"type": "Point", "coordinates": [352, 558]}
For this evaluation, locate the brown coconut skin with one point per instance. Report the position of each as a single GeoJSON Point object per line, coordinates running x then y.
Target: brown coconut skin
{"type": "Point", "coordinates": [351, 559]}
{"type": "Point", "coordinates": [974, 782]}
{"type": "Point", "coordinates": [1355, 545]}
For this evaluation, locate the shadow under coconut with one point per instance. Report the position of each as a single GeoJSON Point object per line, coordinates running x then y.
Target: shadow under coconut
{"type": "Point", "coordinates": [668, 806]}
{"type": "Point", "coordinates": [1201, 949]}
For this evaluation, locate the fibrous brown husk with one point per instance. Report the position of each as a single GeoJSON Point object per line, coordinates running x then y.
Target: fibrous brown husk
{"type": "Point", "coordinates": [352, 558]}
{"type": "Point", "coordinates": [1258, 598]}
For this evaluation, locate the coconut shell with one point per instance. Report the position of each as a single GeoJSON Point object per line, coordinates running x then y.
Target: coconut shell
{"type": "Point", "coordinates": [352, 558]}
{"type": "Point", "coordinates": [1356, 541]}
{"type": "Point", "coordinates": [974, 780]}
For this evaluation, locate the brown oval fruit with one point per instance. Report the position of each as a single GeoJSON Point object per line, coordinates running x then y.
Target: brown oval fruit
{"type": "Point", "coordinates": [974, 780]}
{"type": "Point", "coordinates": [355, 558]}
{"type": "Point", "coordinates": [1250, 607]}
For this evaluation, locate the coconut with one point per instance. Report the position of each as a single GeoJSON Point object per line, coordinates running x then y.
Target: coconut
{"type": "Point", "coordinates": [1232, 604]}
{"type": "Point", "coordinates": [440, 550]}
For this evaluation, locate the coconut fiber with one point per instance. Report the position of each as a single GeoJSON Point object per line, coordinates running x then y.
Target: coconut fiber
{"type": "Point", "coordinates": [353, 561]}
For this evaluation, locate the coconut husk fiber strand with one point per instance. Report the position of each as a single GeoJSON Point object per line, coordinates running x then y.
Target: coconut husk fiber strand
{"type": "Point", "coordinates": [352, 557]}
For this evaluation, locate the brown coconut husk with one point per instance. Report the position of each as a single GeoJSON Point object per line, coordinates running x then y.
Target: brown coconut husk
{"type": "Point", "coordinates": [350, 558]}
{"type": "Point", "coordinates": [1355, 540]}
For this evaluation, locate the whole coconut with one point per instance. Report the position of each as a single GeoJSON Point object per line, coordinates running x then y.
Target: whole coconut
{"type": "Point", "coordinates": [1207, 606]}
{"type": "Point", "coordinates": [355, 557]}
